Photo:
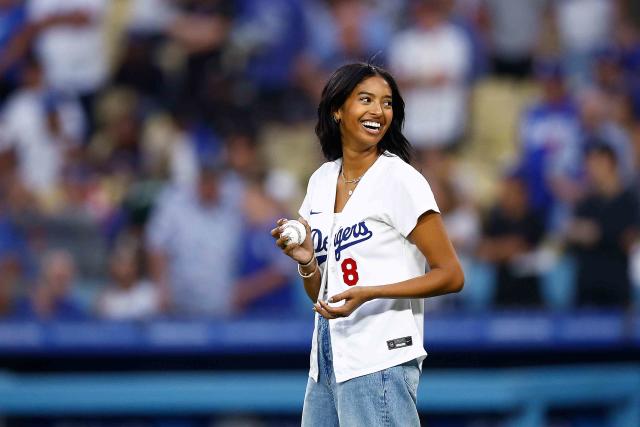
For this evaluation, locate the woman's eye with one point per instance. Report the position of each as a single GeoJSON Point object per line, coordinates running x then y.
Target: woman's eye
{"type": "Point", "coordinates": [387, 104]}
{"type": "Point", "coordinates": [365, 99]}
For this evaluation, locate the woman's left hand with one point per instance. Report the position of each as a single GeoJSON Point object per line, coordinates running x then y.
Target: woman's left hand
{"type": "Point", "coordinates": [353, 298]}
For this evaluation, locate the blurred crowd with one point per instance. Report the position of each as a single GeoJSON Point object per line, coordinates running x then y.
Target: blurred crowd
{"type": "Point", "coordinates": [148, 146]}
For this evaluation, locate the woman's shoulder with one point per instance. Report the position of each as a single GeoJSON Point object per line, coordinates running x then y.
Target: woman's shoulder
{"type": "Point", "coordinates": [324, 169]}
{"type": "Point", "coordinates": [397, 170]}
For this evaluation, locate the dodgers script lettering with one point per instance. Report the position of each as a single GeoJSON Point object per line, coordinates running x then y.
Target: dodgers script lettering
{"type": "Point", "coordinates": [349, 236]}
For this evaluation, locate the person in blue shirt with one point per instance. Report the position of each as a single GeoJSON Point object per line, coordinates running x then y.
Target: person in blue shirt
{"type": "Point", "coordinates": [265, 284]}
{"type": "Point", "coordinates": [53, 297]}
{"type": "Point", "coordinates": [550, 143]}
{"type": "Point", "coordinates": [271, 36]}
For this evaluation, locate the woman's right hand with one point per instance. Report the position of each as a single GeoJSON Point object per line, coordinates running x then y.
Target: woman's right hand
{"type": "Point", "coordinates": [303, 253]}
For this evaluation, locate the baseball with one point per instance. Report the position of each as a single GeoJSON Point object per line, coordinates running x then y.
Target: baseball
{"type": "Point", "coordinates": [294, 232]}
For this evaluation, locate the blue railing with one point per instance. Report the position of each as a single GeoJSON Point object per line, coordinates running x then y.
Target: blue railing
{"type": "Point", "coordinates": [524, 395]}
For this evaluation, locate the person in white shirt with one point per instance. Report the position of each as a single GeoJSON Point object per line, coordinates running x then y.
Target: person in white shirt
{"type": "Point", "coordinates": [42, 126]}
{"type": "Point", "coordinates": [71, 44]}
{"type": "Point", "coordinates": [432, 60]}
{"type": "Point", "coordinates": [128, 296]}
{"type": "Point", "coordinates": [192, 243]}
{"type": "Point", "coordinates": [584, 28]}
{"type": "Point", "coordinates": [373, 227]}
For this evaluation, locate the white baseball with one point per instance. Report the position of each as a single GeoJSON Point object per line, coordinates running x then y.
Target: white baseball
{"type": "Point", "coordinates": [294, 232]}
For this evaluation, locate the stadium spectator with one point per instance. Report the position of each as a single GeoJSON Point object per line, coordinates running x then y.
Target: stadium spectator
{"type": "Point", "coordinates": [514, 31]}
{"type": "Point", "coordinates": [53, 297]}
{"type": "Point", "coordinates": [72, 48]}
{"type": "Point", "coordinates": [431, 60]}
{"type": "Point", "coordinates": [340, 32]}
{"type": "Point", "coordinates": [42, 126]}
{"type": "Point", "coordinates": [202, 29]}
{"type": "Point", "coordinates": [141, 43]}
{"type": "Point", "coordinates": [602, 231]}
{"type": "Point", "coordinates": [243, 162]}
{"type": "Point", "coordinates": [267, 42]}
{"type": "Point", "coordinates": [114, 149]}
{"type": "Point", "coordinates": [238, 148]}
{"type": "Point", "coordinates": [192, 241]}
{"type": "Point", "coordinates": [265, 283]}
{"type": "Point", "coordinates": [616, 72]}
{"type": "Point", "coordinates": [463, 223]}
{"type": "Point", "coordinates": [597, 124]}
{"type": "Point", "coordinates": [550, 146]}
{"type": "Point", "coordinates": [470, 16]}
{"type": "Point", "coordinates": [584, 27]}
{"type": "Point", "coordinates": [139, 71]}
{"type": "Point", "coordinates": [128, 296]}
{"type": "Point", "coordinates": [608, 71]}
{"type": "Point", "coordinates": [174, 142]}
{"type": "Point", "coordinates": [513, 232]}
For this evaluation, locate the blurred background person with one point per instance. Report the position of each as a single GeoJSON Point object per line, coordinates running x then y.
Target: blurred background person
{"type": "Point", "coordinates": [550, 146]}
{"type": "Point", "coordinates": [43, 127]}
{"type": "Point", "coordinates": [514, 30]}
{"type": "Point", "coordinates": [584, 27]}
{"type": "Point", "coordinates": [128, 296]}
{"type": "Point", "coordinates": [432, 60]}
{"type": "Point", "coordinates": [602, 231]}
{"type": "Point", "coordinates": [512, 233]}
{"type": "Point", "coordinates": [54, 295]}
{"type": "Point", "coordinates": [201, 30]}
{"type": "Point", "coordinates": [598, 124]}
{"type": "Point", "coordinates": [340, 32]}
{"type": "Point", "coordinates": [70, 35]}
{"type": "Point", "coordinates": [265, 284]}
{"type": "Point", "coordinates": [192, 240]}
{"type": "Point", "coordinates": [267, 42]}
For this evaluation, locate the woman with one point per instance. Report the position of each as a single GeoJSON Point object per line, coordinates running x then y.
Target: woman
{"type": "Point", "coordinates": [372, 226]}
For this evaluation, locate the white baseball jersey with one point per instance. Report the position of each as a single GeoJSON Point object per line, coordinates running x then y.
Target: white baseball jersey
{"type": "Point", "coordinates": [366, 245]}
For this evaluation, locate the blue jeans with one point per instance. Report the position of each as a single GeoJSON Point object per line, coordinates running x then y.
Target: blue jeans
{"type": "Point", "coordinates": [383, 398]}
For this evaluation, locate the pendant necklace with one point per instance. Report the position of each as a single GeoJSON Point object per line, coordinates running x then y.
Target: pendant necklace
{"type": "Point", "coordinates": [350, 181]}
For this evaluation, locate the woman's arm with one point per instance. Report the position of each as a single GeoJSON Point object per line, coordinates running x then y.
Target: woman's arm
{"type": "Point", "coordinates": [445, 275]}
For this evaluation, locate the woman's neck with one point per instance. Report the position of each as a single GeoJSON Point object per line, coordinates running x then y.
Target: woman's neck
{"type": "Point", "coordinates": [356, 163]}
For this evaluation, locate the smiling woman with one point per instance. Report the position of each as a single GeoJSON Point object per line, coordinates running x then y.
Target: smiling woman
{"type": "Point", "coordinates": [373, 226]}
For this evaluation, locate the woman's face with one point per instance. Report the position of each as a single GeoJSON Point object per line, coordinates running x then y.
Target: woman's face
{"type": "Point", "coordinates": [366, 114]}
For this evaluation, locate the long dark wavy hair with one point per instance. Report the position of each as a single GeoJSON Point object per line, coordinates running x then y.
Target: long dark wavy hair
{"type": "Point", "coordinates": [340, 85]}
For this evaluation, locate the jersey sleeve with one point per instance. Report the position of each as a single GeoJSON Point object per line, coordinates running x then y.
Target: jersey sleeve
{"type": "Point", "coordinates": [411, 196]}
{"type": "Point", "coordinates": [305, 208]}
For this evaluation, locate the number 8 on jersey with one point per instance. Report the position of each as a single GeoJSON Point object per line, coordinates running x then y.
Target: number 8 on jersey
{"type": "Point", "coordinates": [349, 271]}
